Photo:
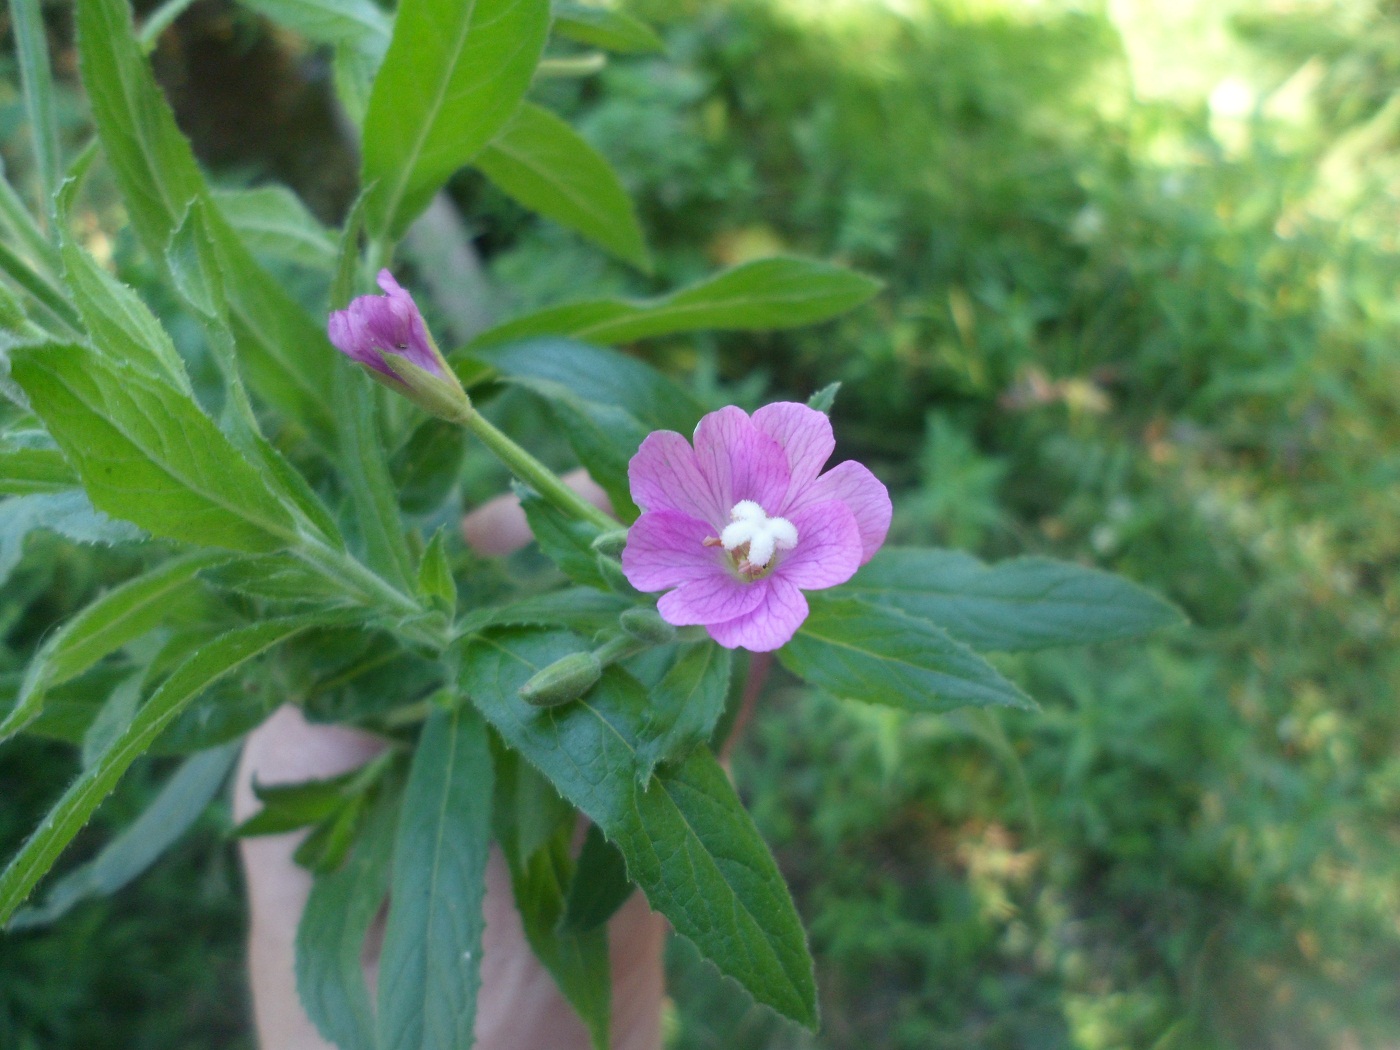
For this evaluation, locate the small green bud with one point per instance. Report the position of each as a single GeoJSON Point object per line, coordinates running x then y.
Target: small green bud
{"type": "Point", "coordinates": [611, 543]}
{"type": "Point", "coordinates": [613, 575]}
{"type": "Point", "coordinates": [646, 625]}
{"type": "Point", "coordinates": [562, 681]}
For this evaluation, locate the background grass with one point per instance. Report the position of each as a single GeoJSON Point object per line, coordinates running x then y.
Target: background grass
{"type": "Point", "coordinates": [1141, 312]}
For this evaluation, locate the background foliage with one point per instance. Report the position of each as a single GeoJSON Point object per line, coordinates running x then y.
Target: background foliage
{"type": "Point", "coordinates": [1140, 311]}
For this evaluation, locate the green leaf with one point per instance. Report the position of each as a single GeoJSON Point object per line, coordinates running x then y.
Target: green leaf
{"type": "Point", "coordinates": [287, 807]}
{"type": "Point", "coordinates": [581, 609]}
{"type": "Point", "coordinates": [565, 541]}
{"type": "Point", "coordinates": [860, 651]}
{"type": "Point", "coordinates": [272, 221]}
{"type": "Point", "coordinates": [685, 706]}
{"type": "Point", "coordinates": [549, 168]}
{"type": "Point", "coordinates": [331, 937]}
{"type": "Point", "coordinates": [606, 28]}
{"type": "Point", "coordinates": [32, 49]}
{"type": "Point", "coordinates": [824, 398]}
{"type": "Point", "coordinates": [600, 884]}
{"type": "Point", "coordinates": [435, 581]}
{"type": "Point", "coordinates": [360, 22]}
{"type": "Point", "coordinates": [426, 469]}
{"type": "Point", "coordinates": [687, 840]}
{"type": "Point", "coordinates": [146, 453]}
{"type": "Point", "coordinates": [757, 296]}
{"type": "Point", "coordinates": [454, 74]}
{"type": "Point", "coordinates": [67, 513]}
{"type": "Point", "coordinates": [171, 813]}
{"type": "Point", "coordinates": [283, 350]}
{"type": "Point", "coordinates": [30, 464]}
{"type": "Point", "coordinates": [430, 967]}
{"type": "Point", "coordinates": [192, 677]}
{"type": "Point", "coordinates": [1024, 603]}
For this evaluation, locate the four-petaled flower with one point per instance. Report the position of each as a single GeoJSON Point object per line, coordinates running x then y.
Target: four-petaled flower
{"type": "Point", "coordinates": [745, 521]}
{"type": "Point", "coordinates": [386, 334]}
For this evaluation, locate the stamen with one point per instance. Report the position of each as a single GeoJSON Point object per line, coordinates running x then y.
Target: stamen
{"type": "Point", "coordinates": [759, 536]}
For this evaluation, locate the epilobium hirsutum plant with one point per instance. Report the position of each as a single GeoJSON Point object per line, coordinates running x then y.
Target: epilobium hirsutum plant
{"type": "Point", "coordinates": [277, 502]}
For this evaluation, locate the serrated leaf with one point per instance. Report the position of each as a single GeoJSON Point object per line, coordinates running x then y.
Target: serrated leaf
{"type": "Point", "coordinates": [430, 967]}
{"type": "Point", "coordinates": [454, 73]}
{"type": "Point", "coordinates": [600, 884]}
{"type": "Point", "coordinates": [606, 28]}
{"type": "Point", "coordinates": [565, 541]}
{"type": "Point", "coordinates": [272, 221]}
{"type": "Point", "coordinates": [824, 398]}
{"type": "Point", "coordinates": [331, 936]}
{"type": "Point", "coordinates": [549, 168]}
{"type": "Point", "coordinates": [757, 296]}
{"type": "Point", "coordinates": [30, 464]}
{"type": "Point", "coordinates": [68, 513]}
{"type": "Point", "coordinates": [435, 581]}
{"type": "Point", "coordinates": [687, 840]}
{"type": "Point", "coordinates": [1024, 603]}
{"type": "Point", "coordinates": [192, 677]}
{"type": "Point", "coordinates": [685, 706]}
{"type": "Point", "coordinates": [860, 651]}
{"type": "Point", "coordinates": [146, 453]}
{"type": "Point", "coordinates": [171, 813]}
{"type": "Point", "coordinates": [32, 50]}
{"type": "Point", "coordinates": [425, 470]}
{"type": "Point", "coordinates": [361, 22]}
{"type": "Point", "coordinates": [581, 609]}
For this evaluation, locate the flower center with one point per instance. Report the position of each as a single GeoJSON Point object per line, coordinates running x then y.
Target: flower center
{"type": "Point", "coordinates": [752, 537]}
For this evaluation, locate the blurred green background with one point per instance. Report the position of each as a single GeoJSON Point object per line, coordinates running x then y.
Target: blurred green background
{"type": "Point", "coordinates": [1142, 312]}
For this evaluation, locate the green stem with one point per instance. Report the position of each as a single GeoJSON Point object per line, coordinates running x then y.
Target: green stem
{"type": "Point", "coordinates": [371, 588]}
{"type": "Point", "coordinates": [534, 473]}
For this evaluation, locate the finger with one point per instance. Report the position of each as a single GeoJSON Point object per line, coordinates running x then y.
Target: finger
{"type": "Point", "coordinates": [498, 526]}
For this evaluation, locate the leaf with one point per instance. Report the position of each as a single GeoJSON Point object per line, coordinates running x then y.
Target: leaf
{"type": "Point", "coordinates": [171, 813]}
{"type": "Point", "coordinates": [146, 453]}
{"type": "Point", "coordinates": [331, 21]}
{"type": "Point", "coordinates": [549, 168]}
{"type": "Point", "coordinates": [758, 296]}
{"type": "Point", "coordinates": [186, 682]}
{"type": "Point", "coordinates": [565, 541]}
{"type": "Point", "coordinates": [67, 513]}
{"type": "Point", "coordinates": [425, 470]}
{"type": "Point", "coordinates": [1024, 603]}
{"type": "Point", "coordinates": [331, 936]}
{"type": "Point", "coordinates": [32, 50]}
{"type": "Point", "coordinates": [824, 398]}
{"type": "Point", "coordinates": [113, 716]}
{"type": "Point", "coordinates": [606, 28]}
{"type": "Point", "coordinates": [283, 350]}
{"type": "Point", "coordinates": [435, 581]}
{"type": "Point", "coordinates": [687, 840]}
{"type": "Point", "coordinates": [454, 74]}
{"type": "Point", "coordinates": [272, 221]}
{"type": "Point", "coordinates": [581, 609]}
{"type": "Point", "coordinates": [685, 706]}
{"type": "Point", "coordinates": [600, 884]}
{"type": "Point", "coordinates": [860, 651]}
{"type": "Point", "coordinates": [430, 968]}
{"type": "Point", "coordinates": [30, 465]}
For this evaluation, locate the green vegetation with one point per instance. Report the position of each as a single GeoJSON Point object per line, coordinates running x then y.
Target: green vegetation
{"type": "Point", "coordinates": [1141, 312]}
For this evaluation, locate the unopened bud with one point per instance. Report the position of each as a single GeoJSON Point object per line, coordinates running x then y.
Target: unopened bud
{"type": "Point", "coordinates": [614, 577]}
{"type": "Point", "coordinates": [646, 625]}
{"type": "Point", "coordinates": [611, 543]}
{"type": "Point", "coordinates": [564, 680]}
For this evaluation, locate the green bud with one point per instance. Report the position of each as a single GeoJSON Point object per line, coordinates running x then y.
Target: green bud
{"type": "Point", "coordinates": [611, 543]}
{"type": "Point", "coordinates": [562, 681]}
{"type": "Point", "coordinates": [612, 574]}
{"type": "Point", "coordinates": [646, 625]}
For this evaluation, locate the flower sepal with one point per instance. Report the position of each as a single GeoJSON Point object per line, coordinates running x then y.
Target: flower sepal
{"type": "Point", "coordinates": [440, 395]}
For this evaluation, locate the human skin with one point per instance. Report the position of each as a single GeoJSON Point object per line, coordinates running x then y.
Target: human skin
{"type": "Point", "coordinates": [519, 1007]}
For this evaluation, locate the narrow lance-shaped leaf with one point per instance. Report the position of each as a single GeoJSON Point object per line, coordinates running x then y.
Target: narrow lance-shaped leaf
{"type": "Point", "coordinates": [430, 968]}
{"type": "Point", "coordinates": [32, 47]}
{"type": "Point", "coordinates": [860, 651]}
{"type": "Point", "coordinates": [606, 28]}
{"type": "Point", "coordinates": [173, 811]}
{"type": "Point", "coordinates": [30, 464]}
{"type": "Point", "coordinates": [146, 453]}
{"type": "Point", "coordinates": [686, 838]}
{"type": "Point", "coordinates": [454, 73]}
{"type": "Point", "coordinates": [113, 619]}
{"type": "Point", "coordinates": [187, 681]}
{"type": "Point", "coordinates": [685, 706]}
{"type": "Point", "coordinates": [757, 296]}
{"type": "Point", "coordinates": [548, 167]}
{"type": "Point", "coordinates": [1024, 603]}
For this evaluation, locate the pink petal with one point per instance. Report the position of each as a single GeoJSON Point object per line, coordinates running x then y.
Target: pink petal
{"type": "Point", "coordinates": [739, 461]}
{"type": "Point", "coordinates": [770, 626]}
{"type": "Point", "coordinates": [828, 548]}
{"type": "Point", "coordinates": [805, 435]}
{"type": "Point", "coordinates": [710, 598]}
{"type": "Point", "coordinates": [665, 548]}
{"type": "Point", "coordinates": [664, 475]}
{"type": "Point", "coordinates": [869, 500]}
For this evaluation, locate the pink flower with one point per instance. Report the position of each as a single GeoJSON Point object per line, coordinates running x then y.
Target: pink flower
{"type": "Point", "coordinates": [744, 522]}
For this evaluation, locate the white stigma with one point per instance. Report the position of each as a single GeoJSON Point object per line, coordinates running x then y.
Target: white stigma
{"type": "Point", "coordinates": [748, 523]}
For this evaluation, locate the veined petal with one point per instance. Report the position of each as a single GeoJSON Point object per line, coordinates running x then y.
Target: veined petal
{"type": "Point", "coordinates": [768, 626]}
{"type": "Point", "coordinates": [828, 548]}
{"type": "Point", "coordinates": [664, 475]}
{"type": "Point", "coordinates": [739, 461]}
{"type": "Point", "coordinates": [806, 437]}
{"type": "Point", "coordinates": [710, 599]}
{"type": "Point", "coordinates": [665, 548]}
{"type": "Point", "coordinates": [869, 500]}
